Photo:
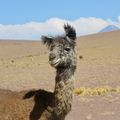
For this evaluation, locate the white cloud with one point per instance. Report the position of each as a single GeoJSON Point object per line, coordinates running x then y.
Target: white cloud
{"type": "Point", "coordinates": [53, 26]}
{"type": "Point", "coordinates": [119, 18]}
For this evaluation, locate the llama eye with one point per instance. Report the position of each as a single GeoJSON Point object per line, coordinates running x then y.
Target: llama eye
{"type": "Point", "coordinates": [67, 49]}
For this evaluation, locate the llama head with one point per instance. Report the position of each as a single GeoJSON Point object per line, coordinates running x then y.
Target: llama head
{"type": "Point", "coordinates": [62, 48]}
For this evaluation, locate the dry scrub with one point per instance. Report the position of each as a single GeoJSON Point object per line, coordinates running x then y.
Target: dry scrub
{"type": "Point", "coordinates": [96, 91]}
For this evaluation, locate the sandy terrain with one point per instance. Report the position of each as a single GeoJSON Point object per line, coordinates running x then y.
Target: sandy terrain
{"type": "Point", "coordinates": [24, 66]}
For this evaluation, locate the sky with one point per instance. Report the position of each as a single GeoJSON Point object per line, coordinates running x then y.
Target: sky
{"type": "Point", "coordinates": [29, 19]}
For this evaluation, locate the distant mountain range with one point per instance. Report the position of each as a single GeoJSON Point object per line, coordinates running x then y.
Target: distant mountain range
{"type": "Point", "coordinates": [109, 28]}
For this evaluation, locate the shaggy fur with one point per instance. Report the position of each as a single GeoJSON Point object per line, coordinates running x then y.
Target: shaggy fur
{"type": "Point", "coordinates": [62, 57]}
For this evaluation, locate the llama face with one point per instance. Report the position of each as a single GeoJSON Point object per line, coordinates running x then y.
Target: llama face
{"type": "Point", "coordinates": [62, 49]}
{"type": "Point", "coordinates": [62, 53]}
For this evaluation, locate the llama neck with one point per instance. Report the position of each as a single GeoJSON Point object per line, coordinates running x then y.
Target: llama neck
{"type": "Point", "coordinates": [64, 74]}
{"type": "Point", "coordinates": [64, 87]}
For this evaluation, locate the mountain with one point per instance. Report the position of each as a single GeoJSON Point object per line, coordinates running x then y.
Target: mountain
{"type": "Point", "coordinates": [109, 28]}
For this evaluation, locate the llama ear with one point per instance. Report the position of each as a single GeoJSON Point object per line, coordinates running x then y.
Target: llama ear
{"type": "Point", "coordinates": [70, 32]}
{"type": "Point", "coordinates": [47, 40]}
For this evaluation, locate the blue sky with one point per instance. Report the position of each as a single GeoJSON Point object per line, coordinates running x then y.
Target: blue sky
{"type": "Point", "coordinates": [25, 14]}
{"type": "Point", "coordinates": [22, 11]}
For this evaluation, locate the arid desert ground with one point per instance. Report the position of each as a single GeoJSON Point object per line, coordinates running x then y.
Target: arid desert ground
{"type": "Point", "coordinates": [24, 66]}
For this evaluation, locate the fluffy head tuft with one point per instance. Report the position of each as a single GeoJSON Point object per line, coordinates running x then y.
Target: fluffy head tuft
{"type": "Point", "coordinates": [70, 31]}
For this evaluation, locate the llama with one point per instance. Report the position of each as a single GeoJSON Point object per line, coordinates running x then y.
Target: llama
{"type": "Point", "coordinates": [47, 105]}
{"type": "Point", "coordinates": [63, 58]}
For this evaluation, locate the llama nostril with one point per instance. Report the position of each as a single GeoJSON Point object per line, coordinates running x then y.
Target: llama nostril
{"type": "Point", "coordinates": [52, 56]}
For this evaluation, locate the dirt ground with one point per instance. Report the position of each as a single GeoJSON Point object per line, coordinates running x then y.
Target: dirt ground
{"type": "Point", "coordinates": [24, 66]}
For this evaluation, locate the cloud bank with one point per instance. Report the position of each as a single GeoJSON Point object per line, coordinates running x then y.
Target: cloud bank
{"type": "Point", "coordinates": [54, 26]}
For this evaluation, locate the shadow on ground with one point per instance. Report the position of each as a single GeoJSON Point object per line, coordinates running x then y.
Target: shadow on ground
{"type": "Point", "coordinates": [43, 99]}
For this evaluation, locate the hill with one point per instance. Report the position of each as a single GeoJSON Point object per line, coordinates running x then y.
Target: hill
{"type": "Point", "coordinates": [109, 28]}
